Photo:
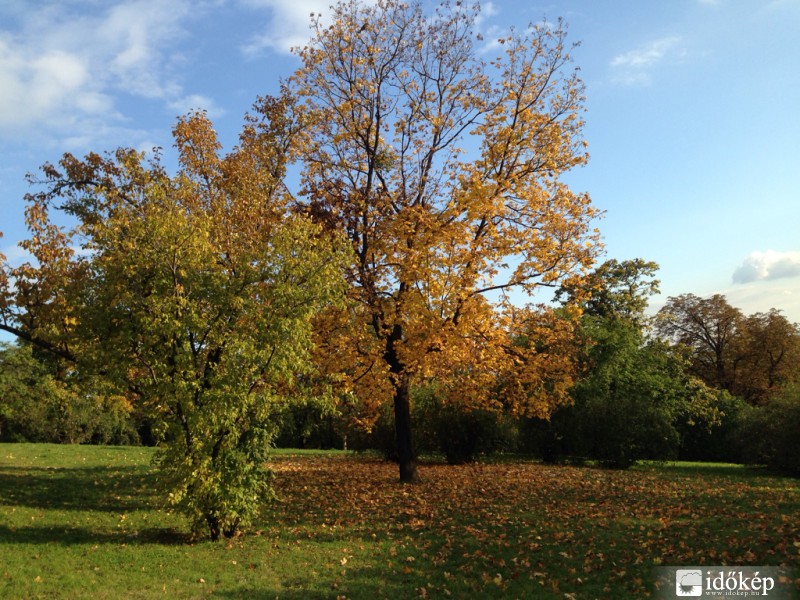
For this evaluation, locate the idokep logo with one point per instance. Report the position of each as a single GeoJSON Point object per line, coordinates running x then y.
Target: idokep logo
{"type": "Point", "coordinates": [688, 582]}
{"type": "Point", "coordinates": [722, 582]}
{"type": "Point", "coordinates": [739, 582]}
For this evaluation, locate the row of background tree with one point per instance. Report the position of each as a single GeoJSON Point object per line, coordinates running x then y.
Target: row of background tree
{"type": "Point", "coordinates": [700, 381]}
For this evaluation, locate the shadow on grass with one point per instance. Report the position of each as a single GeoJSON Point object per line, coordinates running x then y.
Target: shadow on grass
{"type": "Point", "coordinates": [105, 489]}
{"type": "Point", "coordinates": [76, 536]}
{"type": "Point", "coordinates": [705, 469]}
{"type": "Point", "coordinates": [368, 583]}
{"type": "Point", "coordinates": [117, 489]}
{"type": "Point", "coordinates": [283, 594]}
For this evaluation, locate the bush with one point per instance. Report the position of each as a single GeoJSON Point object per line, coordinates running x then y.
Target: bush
{"type": "Point", "coordinates": [627, 428]}
{"type": "Point", "coordinates": [553, 440]}
{"type": "Point", "coordinates": [38, 406]}
{"type": "Point", "coordinates": [463, 435]}
{"type": "Point", "coordinates": [460, 433]}
{"type": "Point", "coordinates": [711, 435]}
{"type": "Point", "coordinates": [381, 436]}
{"type": "Point", "coordinates": [770, 434]}
{"type": "Point", "coordinates": [307, 422]}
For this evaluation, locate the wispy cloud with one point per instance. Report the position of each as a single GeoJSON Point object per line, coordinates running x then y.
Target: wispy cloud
{"type": "Point", "coordinates": [62, 67]}
{"type": "Point", "coordinates": [16, 256]}
{"type": "Point", "coordinates": [635, 66]}
{"type": "Point", "coordinates": [769, 265]}
{"type": "Point", "coordinates": [183, 104]}
{"type": "Point", "coordinates": [488, 9]}
{"type": "Point", "coordinates": [762, 296]}
{"type": "Point", "coordinates": [289, 24]}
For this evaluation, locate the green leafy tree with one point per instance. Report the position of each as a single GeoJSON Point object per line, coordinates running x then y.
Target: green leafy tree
{"type": "Point", "coordinates": [770, 434]}
{"type": "Point", "coordinates": [713, 433]}
{"type": "Point", "coordinates": [632, 392]}
{"type": "Point", "coordinates": [615, 289]}
{"type": "Point", "coordinates": [41, 403]}
{"type": "Point", "coordinates": [633, 395]}
{"type": "Point", "coordinates": [193, 293]}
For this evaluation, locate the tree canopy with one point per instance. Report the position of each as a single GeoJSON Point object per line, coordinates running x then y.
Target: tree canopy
{"type": "Point", "coordinates": [193, 294]}
{"type": "Point", "coordinates": [443, 170]}
{"type": "Point", "coordinates": [750, 356]}
{"type": "Point", "coordinates": [615, 289]}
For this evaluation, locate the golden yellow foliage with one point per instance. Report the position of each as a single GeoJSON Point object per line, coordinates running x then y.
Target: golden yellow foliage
{"type": "Point", "coordinates": [444, 172]}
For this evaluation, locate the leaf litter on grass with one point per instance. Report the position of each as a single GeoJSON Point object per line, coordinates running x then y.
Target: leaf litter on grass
{"type": "Point", "coordinates": [344, 526]}
{"type": "Point", "coordinates": [522, 526]}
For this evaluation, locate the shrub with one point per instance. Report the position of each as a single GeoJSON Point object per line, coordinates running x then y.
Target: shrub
{"type": "Point", "coordinates": [458, 432]}
{"type": "Point", "coordinates": [711, 434]}
{"type": "Point", "coordinates": [463, 434]}
{"type": "Point", "coordinates": [39, 405]}
{"type": "Point", "coordinates": [770, 434]}
{"type": "Point", "coordinates": [381, 436]}
{"type": "Point", "coordinates": [307, 422]}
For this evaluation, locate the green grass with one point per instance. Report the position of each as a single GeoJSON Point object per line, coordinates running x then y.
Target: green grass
{"type": "Point", "coordinates": [81, 521]}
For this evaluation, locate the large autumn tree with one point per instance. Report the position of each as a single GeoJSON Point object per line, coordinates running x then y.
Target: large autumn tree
{"type": "Point", "coordinates": [710, 328]}
{"type": "Point", "coordinates": [751, 356]}
{"type": "Point", "coordinates": [771, 349]}
{"type": "Point", "coordinates": [444, 170]}
{"type": "Point", "coordinates": [193, 294]}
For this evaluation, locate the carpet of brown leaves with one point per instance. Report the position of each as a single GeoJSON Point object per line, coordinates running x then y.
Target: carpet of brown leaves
{"type": "Point", "coordinates": [556, 526]}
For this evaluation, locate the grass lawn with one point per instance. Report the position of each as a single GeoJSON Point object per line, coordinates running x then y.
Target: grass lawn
{"type": "Point", "coordinates": [82, 521]}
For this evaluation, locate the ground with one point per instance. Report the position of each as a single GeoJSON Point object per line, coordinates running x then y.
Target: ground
{"type": "Point", "coordinates": [81, 520]}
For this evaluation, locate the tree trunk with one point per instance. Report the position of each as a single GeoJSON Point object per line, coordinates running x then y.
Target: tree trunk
{"type": "Point", "coordinates": [402, 420]}
{"type": "Point", "coordinates": [214, 527]}
{"type": "Point", "coordinates": [402, 408]}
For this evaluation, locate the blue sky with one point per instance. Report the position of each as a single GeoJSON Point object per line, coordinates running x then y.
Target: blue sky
{"type": "Point", "coordinates": [692, 113]}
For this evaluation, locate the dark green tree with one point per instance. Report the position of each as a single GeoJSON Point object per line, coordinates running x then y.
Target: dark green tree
{"type": "Point", "coordinates": [633, 390]}
{"type": "Point", "coordinates": [40, 401]}
{"type": "Point", "coordinates": [632, 396]}
{"type": "Point", "coordinates": [770, 434]}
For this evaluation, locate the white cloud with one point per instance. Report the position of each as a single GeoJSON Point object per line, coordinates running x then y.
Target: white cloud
{"type": "Point", "coordinates": [34, 87]}
{"type": "Point", "coordinates": [192, 102]}
{"type": "Point", "coordinates": [289, 25]}
{"type": "Point", "coordinates": [488, 9]}
{"type": "Point", "coordinates": [15, 256]}
{"type": "Point", "coordinates": [64, 63]}
{"type": "Point", "coordinates": [139, 35]}
{"type": "Point", "coordinates": [750, 298]}
{"type": "Point", "coordinates": [635, 66]}
{"type": "Point", "coordinates": [762, 296]}
{"type": "Point", "coordinates": [645, 55]}
{"type": "Point", "coordinates": [769, 265]}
